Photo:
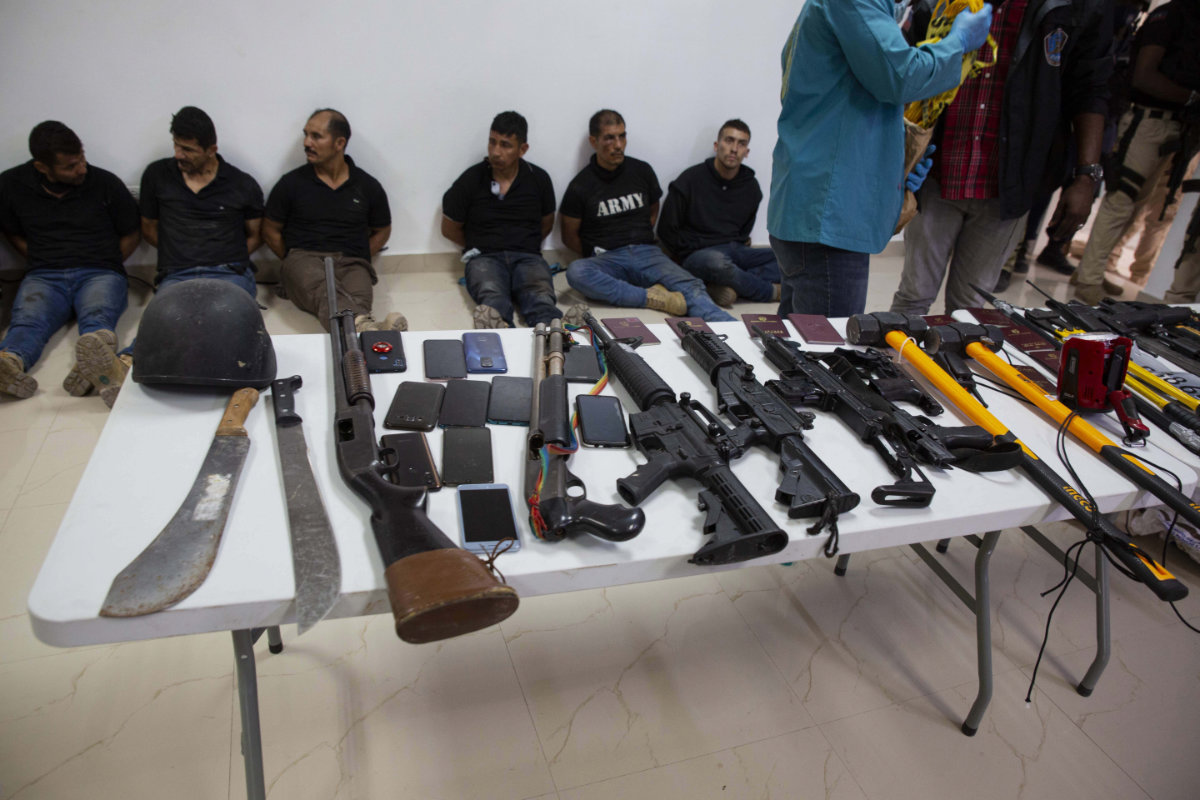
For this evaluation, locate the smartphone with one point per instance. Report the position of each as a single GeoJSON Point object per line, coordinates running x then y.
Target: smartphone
{"type": "Point", "coordinates": [510, 400]}
{"type": "Point", "coordinates": [465, 404]}
{"type": "Point", "coordinates": [415, 406]}
{"type": "Point", "coordinates": [383, 351]}
{"type": "Point", "coordinates": [581, 365]}
{"type": "Point", "coordinates": [466, 456]}
{"type": "Point", "coordinates": [409, 454]}
{"type": "Point", "coordinates": [444, 359]}
{"type": "Point", "coordinates": [601, 421]}
{"type": "Point", "coordinates": [486, 517]}
{"type": "Point", "coordinates": [484, 352]}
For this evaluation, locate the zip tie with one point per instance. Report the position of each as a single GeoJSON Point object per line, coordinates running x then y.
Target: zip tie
{"type": "Point", "coordinates": [900, 352]}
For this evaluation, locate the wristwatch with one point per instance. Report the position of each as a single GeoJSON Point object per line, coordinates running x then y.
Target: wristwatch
{"type": "Point", "coordinates": [1093, 171]}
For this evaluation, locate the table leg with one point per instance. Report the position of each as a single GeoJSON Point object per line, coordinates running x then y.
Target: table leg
{"type": "Point", "coordinates": [247, 683]}
{"type": "Point", "coordinates": [983, 632]}
{"type": "Point", "coordinates": [1103, 630]}
{"type": "Point", "coordinates": [274, 640]}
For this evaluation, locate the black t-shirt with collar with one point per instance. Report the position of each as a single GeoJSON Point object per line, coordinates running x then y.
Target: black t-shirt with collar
{"type": "Point", "coordinates": [199, 229]}
{"type": "Point", "coordinates": [613, 206]}
{"type": "Point", "coordinates": [494, 224]}
{"type": "Point", "coordinates": [316, 217]}
{"type": "Point", "coordinates": [83, 228]}
{"type": "Point", "coordinates": [1175, 27]}
{"type": "Point", "coordinates": [703, 209]}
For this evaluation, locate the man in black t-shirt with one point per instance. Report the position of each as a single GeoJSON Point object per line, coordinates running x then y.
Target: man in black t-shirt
{"type": "Point", "coordinates": [707, 218]}
{"type": "Point", "coordinates": [498, 212]}
{"type": "Point", "coordinates": [607, 216]}
{"type": "Point", "coordinates": [329, 207]}
{"type": "Point", "coordinates": [202, 213]}
{"type": "Point", "coordinates": [1165, 90]}
{"type": "Point", "coordinates": [75, 224]}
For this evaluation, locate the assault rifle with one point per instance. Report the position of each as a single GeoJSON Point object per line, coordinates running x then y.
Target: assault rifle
{"type": "Point", "coordinates": [436, 589]}
{"type": "Point", "coordinates": [806, 485]}
{"type": "Point", "coordinates": [681, 438]}
{"type": "Point", "coordinates": [831, 383]}
{"type": "Point", "coordinates": [553, 513]}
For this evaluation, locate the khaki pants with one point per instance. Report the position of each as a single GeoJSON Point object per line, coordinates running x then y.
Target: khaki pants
{"type": "Point", "coordinates": [1186, 285]}
{"type": "Point", "coordinates": [303, 277]}
{"type": "Point", "coordinates": [1154, 230]}
{"type": "Point", "coordinates": [1141, 165]}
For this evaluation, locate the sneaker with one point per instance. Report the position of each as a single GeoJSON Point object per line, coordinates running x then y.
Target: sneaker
{"type": "Point", "coordinates": [13, 379]}
{"type": "Point", "coordinates": [97, 361]}
{"type": "Point", "coordinates": [394, 321]}
{"type": "Point", "coordinates": [77, 385]}
{"type": "Point", "coordinates": [1004, 280]}
{"type": "Point", "coordinates": [660, 298]}
{"type": "Point", "coordinates": [1054, 258]}
{"type": "Point", "coordinates": [574, 315]}
{"type": "Point", "coordinates": [487, 317]}
{"type": "Point", "coordinates": [724, 296]}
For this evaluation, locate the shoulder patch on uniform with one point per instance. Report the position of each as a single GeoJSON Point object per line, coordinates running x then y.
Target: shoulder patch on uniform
{"type": "Point", "coordinates": [1054, 44]}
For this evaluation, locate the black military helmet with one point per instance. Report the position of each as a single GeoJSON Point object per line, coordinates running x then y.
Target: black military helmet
{"type": "Point", "coordinates": [203, 332]}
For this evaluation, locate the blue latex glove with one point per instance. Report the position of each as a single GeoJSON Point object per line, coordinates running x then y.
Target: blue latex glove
{"type": "Point", "coordinates": [917, 176]}
{"type": "Point", "coordinates": [972, 28]}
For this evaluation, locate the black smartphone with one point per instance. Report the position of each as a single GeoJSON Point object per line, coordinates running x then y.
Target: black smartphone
{"type": "Point", "coordinates": [581, 365]}
{"type": "Point", "coordinates": [486, 517]}
{"type": "Point", "coordinates": [601, 421]}
{"type": "Point", "coordinates": [510, 400]}
{"type": "Point", "coordinates": [415, 406]}
{"type": "Point", "coordinates": [444, 359]}
{"type": "Point", "coordinates": [412, 462]}
{"type": "Point", "coordinates": [466, 456]}
{"type": "Point", "coordinates": [465, 404]}
{"type": "Point", "coordinates": [484, 352]}
{"type": "Point", "coordinates": [383, 350]}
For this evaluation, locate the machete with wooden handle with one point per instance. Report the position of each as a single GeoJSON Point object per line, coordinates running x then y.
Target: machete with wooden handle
{"type": "Point", "coordinates": [179, 559]}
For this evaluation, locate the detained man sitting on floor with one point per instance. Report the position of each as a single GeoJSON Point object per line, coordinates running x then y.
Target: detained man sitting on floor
{"type": "Point", "coordinates": [607, 216]}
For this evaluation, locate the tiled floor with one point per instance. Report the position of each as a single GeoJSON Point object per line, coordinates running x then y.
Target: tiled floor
{"type": "Point", "coordinates": [782, 682]}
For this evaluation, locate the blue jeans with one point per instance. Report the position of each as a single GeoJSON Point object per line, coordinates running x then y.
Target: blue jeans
{"type": "Point", "coordinates": [819, 279]}
{"type": "Point", "coordinates": [494, 279]}
{"type": "Point", "coordinates": [221, 272]}
{"type": "Point", "coordinates": [44, 303]}
{"type": "Point", "coordinates": [751, 271]}
{"type": "Point", "coordinates": [620, 277]}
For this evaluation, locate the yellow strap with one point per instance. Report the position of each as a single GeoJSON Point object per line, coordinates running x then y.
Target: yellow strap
{"type": "Point", "coordinates": [926, 112]}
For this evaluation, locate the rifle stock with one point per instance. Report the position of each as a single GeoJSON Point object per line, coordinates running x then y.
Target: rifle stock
{"type": "Point", "coordinates": [436, 590]}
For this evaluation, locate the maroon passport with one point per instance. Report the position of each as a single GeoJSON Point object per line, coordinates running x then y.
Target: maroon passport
{"type": "Point", "coordinates": [816, 329]}
{"type": "Point", "coordinates": [695, 323]}
{"type": "Point", "coordinates": [771, 323]}
{"type": "Point", "coordinates": [938, 319]}
{"type": "Point", "coordinates": [629, 328]}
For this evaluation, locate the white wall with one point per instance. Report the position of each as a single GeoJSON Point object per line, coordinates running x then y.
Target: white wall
{"type": "Point", "coordinates": [419, 81]}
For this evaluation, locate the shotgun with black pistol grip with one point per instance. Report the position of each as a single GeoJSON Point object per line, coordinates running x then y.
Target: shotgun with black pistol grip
{"type": "Point", "coordinates": [806, 484]}
{"type": "Point", "coordinates": [895, 330]}
{"type": "Point", "coordinates": [436, 589]}
{"type": "Point", "coordinates": [1155, 398]}
{"type": "Point", "coordinates": [964, 338]}
{"type": "Point", "coordinates": [683, 439]}
{"type": "Point", "coordinates": [553, 512]}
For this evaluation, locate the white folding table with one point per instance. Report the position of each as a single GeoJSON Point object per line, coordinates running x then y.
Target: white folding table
{"type": "Point", "coordinates": [155, 439]}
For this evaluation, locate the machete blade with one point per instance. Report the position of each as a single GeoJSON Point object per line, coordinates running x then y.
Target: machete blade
{"type": "Point", "coordinates": [315, 559]}
{"type": "Point", "coordinates": [180, 557]}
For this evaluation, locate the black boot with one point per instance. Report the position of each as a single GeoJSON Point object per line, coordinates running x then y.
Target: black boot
{"type": "Point", "coordinates": [1004, 280]}
{"type": "Point", "coordinates": [1054, 258]}
{"type": "Point", "coordinates": [1021, 257]}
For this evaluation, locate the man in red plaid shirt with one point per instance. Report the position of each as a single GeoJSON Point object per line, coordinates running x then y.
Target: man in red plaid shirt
{"type": "Point", "coordinates": [1003, 139]}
